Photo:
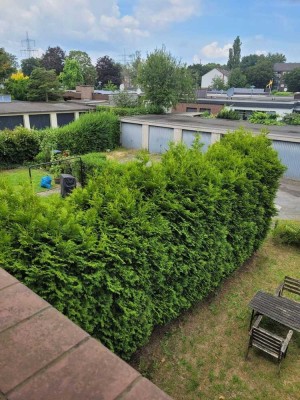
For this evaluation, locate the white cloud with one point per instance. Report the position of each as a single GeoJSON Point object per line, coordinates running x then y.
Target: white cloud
{"type": "Point", "coordinates": [213, 50]}
{"type": "Point", "coordinates": [261, 52]}
{"type": "Point", "coordinates": [160, 14]}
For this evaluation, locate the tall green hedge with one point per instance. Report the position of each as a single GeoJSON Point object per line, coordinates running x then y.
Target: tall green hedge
{"type": "Point", "coordinates": [18, 145]}
{"type": "Point", "coordinates": [141, 242]}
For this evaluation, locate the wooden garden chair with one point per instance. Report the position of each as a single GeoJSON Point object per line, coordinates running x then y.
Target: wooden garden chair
{"type": "Point", "coordinates": [268, 342]}
{"type": "Point", "coordinates": [291, 285]}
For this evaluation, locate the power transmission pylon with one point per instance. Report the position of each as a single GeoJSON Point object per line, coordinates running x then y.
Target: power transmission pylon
{"type": "Point", "coordinates": [28, 47]}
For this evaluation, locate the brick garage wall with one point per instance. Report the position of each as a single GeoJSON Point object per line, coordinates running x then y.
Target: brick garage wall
{"type": "Point", "coordinates": [181, 107]}
{"type": "Point", "coordinates": [45, 356]}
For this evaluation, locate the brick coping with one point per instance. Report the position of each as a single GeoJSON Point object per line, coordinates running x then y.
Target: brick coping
{"type": "Point", "coordinates": [45, 356]}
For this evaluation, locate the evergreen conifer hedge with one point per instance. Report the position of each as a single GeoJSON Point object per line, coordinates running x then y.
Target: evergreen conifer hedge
{"type": "Point", "coordinates": [141, 242]}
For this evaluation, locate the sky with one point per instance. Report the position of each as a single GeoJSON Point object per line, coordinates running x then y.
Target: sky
{"type": "Point", "coordinates": [193, 31]}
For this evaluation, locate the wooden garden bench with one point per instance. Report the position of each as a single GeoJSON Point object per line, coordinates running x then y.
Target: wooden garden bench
{"type": "Point", "coordinates": [268, 342]}
{"type": "Point", "coordinates": [291, 285]}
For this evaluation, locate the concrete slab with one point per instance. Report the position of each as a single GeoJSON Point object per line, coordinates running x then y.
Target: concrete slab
{"type": "Point", "coordinates": [31, 338]}
{"type": "Point", "coordinates": [288, 200]}
{"type": "Point", "coordinates": [89, 372]}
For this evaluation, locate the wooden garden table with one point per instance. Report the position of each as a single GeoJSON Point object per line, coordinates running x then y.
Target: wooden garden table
{"type": "Point", "coordinates": [280, 309]}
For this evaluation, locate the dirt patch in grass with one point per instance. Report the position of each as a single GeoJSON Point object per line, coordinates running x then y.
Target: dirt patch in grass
{"type": "Point", "coordinates": [201, 354]}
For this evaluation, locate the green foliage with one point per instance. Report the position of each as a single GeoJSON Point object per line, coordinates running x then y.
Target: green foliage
{"type": "Point", "coordinates": [287, 232]}
{"type": "Point", "coordinates": [237, 79]}
{"type": "Point", "coordinates": [292, 119]}
{"type": "Point", "coordinates": [260, 74]}
{"type": "Point", "coordinates": [125, 99]}
{"type": "Point", "coordinates": [53, 59]}
{"type": "Point", "coordinates": [91, 132]}
{"type": "Point", "coordinates": [219, 84]}
{"type": "Point", "coordinates": [164, 80]}
{"type": "Point", "coordinates": [110, 86]}
{"type": "Point", "coordinates": [8, 64]}
{"type": "Point", "coordinates": [28, 65]}
{"type": "Point", "coordinates": [90, 165]}
{"type": "Point", "coordinates": [71, 76]}
{"type": "Point", "coordinates": [141, 242]}
{"type": "Point", "coordinates": [87, 69]}
{"type": "Point", "coordinates": [18, 145]}
{"type": "Point", "coordinates": [108, 70]}
{"type": "Point", "coordinates": [17, 88]}
{"type": "Point", "coordinates": [234, 58]}
{"type": "Point", "coordinates": [127, 111]}
{"type": "Point", "coordinates": [43, 85]}
{"type": "Point", "coordinates": [227, 113]}
{"type": "Point", "coordinates": [282, 94]}
{"type": "Point", "coordinates": [292, 80]}
{"type": "Point", "coordinates": [260, 117]}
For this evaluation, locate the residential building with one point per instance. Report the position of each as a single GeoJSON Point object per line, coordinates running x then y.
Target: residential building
{"type": "Point", "coordinates": [207, 79]}
{"type": "Point", "coordinates": [280, 69]}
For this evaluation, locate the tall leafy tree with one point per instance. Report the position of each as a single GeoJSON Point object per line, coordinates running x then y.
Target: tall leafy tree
{"type": "Point", "coordinates": [71, 75]}
{"type": "Point", "coordinates": [292, 80]}
{"type": "Point", "coordinates": [54, 59]}
{"type": "Point", "coordinates": [250, 60]}
{"type": "Point", "coordinates": [164, 80]}
{"type": "Point", "coordinates": [8, 64]}
{"type": "Point", "coordinates": [108, 70]}
{"type": "Point", "coordinates": [260, 74]}
{"type": "Point", "coordinates": [43, 85]}
{"type": "Point", "coordinates": [219, 84]}
{"type": "Point", "coordinates": [17, 86]}
{"type": "Point", "coordinates": [87, 69]}
{"type": "Point", "coordinates": [237, 79]}
{"type": "Point", "coordinates": [276, 58]}
{"type": "Point", "coordinates": [28, 65]}
{"type": "Point", "coordinates": [234, 59]}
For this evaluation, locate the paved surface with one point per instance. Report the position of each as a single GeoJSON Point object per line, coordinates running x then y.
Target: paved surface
{"type": "Point", "coordinates": [45, 356]}
{"type": "Point", "coordinates": [288, 200]}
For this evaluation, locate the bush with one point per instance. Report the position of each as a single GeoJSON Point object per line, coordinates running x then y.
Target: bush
{"type": "Point", "coordinates": [292, 119]}
{"type": "Point", "coordinates": [141, 242]}
{"type": "Point", "coordinates": [260, 117]}
{"type": "Point", "coordinates": [92, 163]}
{"type": "Point", "coordinates": [129, 111]}
{"type": "Point", "coordinates": [287, 232]}
{"type": "Point", "coordinates": [18, 145]}
{"type": "Point", "coordinates": [226, 113]}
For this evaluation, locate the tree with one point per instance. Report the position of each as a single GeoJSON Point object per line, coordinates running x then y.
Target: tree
{"type": "Point", "coordinates": [218, 83]}
{"type": "Point", "coordinates": [8, 64]}
{"type": "Point", "coordinates": [71, 75]}
{"type": "Point", "coordinates": [28, 65]}
{"type": "Point", "coordinates": [88, 70]}
{"type": "Point", "coordinates": [164, 80]}
{"type": "Point", "coordinates": [276, 58]}
{"type": "Point", "coordinates": [250, 61]}
{"type": "Point", "coordinates": [292, 79]}
{"type": "Point", "coordinates": [17, 86]}
{"type": "Point", "coordinates": [43, 85]}
{"type": "Point", "coordinates": [54, 59]}
{"type": "Point", "coordinates": [237, 79]}
{"type": "Point", "coordinates": [260, 74]}
{"type": "Point", "coordinates": [234, 58]}
{"type": "Point", "coordinates": [108, 70]}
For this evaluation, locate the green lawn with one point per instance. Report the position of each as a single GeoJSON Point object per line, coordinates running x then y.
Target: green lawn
{"type": "Point", "coordinates": [20, 176]}
{"type": "Point", "coordinates": [201, 355]}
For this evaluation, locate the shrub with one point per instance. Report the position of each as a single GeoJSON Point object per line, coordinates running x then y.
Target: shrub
{"type": "Point", "coordinates": [141, 242]}
{"type": "Point", "coordinates": [287, 232]}
{"type": "Point", "coordinates": [292, 119]}
{"type": "Point", "coordinates": [92, 163]}
{"type": "Point", "coordinates": [260, 117]}
{"type": "Point", "coordinates": [226, 113]}
{"type": "Point", "coordinates": [128, 111]}
{"type": "Point", "coordinates": [18, 145]}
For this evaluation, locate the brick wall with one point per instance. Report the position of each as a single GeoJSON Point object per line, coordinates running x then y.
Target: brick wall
{"type": "Point", "coordinates": [182, 107]}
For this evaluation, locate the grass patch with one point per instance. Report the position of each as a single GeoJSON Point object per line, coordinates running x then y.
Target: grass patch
{"type": "Point", "coordinates": [201, 354]}
{"type": "Point", "coordinates": [20, 176]}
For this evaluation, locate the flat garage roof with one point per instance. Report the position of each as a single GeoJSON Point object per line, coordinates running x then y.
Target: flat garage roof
{"type": "Point", "coordinates": [188, 121]}
{"type": "Point", "coordinates": [28, 107]}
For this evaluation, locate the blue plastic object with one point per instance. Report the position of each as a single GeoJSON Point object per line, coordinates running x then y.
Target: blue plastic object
{"type": "Point", "coordinates": [46, 182]}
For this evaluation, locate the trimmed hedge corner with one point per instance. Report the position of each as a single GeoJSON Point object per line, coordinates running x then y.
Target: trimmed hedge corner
{"type": "Point", "coordinates": [141, 242]}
